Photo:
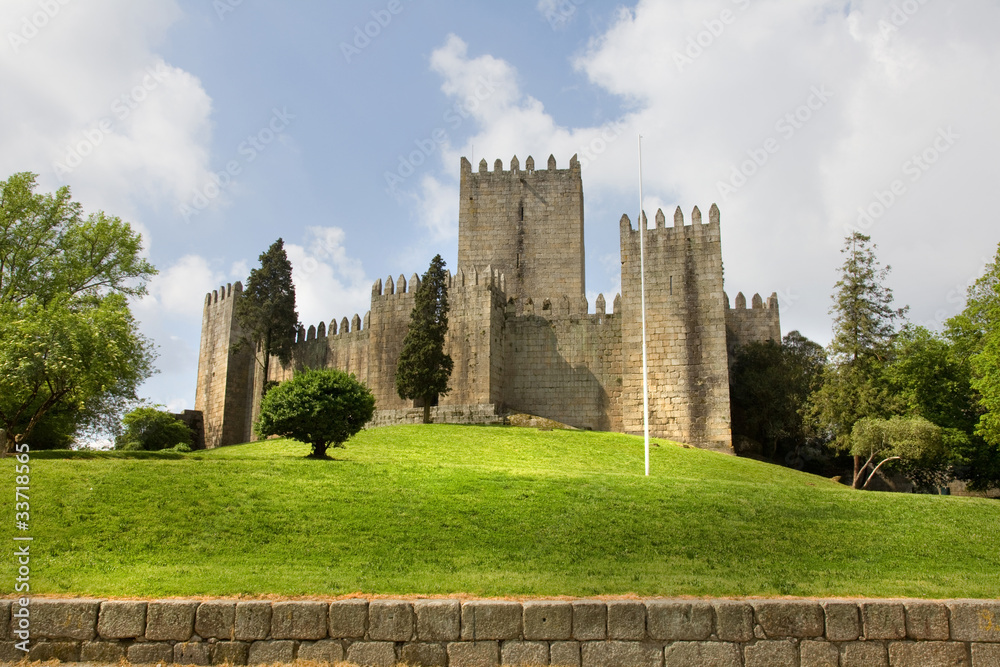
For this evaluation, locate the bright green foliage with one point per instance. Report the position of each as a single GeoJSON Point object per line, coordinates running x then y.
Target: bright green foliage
{"type": "Point", "coordinates": [864, 328]}
{"type": "Point", "coordinates": [266, 312]}
{"type": "Point", "coordinates": [444, 510]}
{"type": "Point", "coordinates": [424, 368]}
{"type": "Point", "coordinates": [151, 430]}
{"type": "Point", "coordinates": [770, 385]}
{"type": "Point", "coordinates": [69, 340]}
{"type": "Point", "coordinates": [910, 439]}
{"type": "Point", "coordinates": [320, 408]}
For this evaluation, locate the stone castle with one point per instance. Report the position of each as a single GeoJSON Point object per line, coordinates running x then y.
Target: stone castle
{"type": "Point", "coordinates": [520, 331]}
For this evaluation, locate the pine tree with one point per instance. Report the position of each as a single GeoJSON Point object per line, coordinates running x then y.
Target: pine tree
{"type": "Point", "coordinates": [266, 313]}
{"type": "Point", "coordinates": [863, 334]}
{"type": "Point", "coordinates": [424, 369]}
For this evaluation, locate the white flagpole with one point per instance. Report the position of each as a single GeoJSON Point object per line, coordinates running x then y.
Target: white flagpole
{"type": "Point", "coordinates": [642, 284]}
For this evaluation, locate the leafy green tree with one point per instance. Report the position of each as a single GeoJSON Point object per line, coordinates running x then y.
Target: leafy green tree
{"type": "Point", "coordinates": [976, 336]}
{"type": "Point", "coordinates": [865, 325]}
{"type": "Point", "coordinates": [770, 386]}
{"type": "Point", "coordinates": [320, 407]}
{"type": "Point", "coordinates": [424, 369]}
{"type": "Point", "coordinates": [151, 430]}
{"type": "Point", "coordinates": [266, 312]}
{"type": "Point", "coordinates": [69, 341]}
{"type": "Point", "coordinates": [911, 439]}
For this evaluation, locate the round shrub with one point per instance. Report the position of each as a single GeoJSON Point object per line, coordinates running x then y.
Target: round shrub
{"type": "Point", "coordinates": [152, 430]}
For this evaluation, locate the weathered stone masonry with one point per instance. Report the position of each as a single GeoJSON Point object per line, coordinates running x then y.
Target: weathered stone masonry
{"type": "Point", "coordinates": [579, 633]}
{"type": "Point", "coordinates": [520, 331]}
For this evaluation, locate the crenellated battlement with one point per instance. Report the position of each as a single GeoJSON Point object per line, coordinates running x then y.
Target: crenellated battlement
{"type": "Point", "coordinates": [679, 230]}
{"type": "Point", "coordinates": [756, 302]}
{"type": "Point", "coordinates": [227, 291]}
{"type": "Point", "coordinates": [515, 167]}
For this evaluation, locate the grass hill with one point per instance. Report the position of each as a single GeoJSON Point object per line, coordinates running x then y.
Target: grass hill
{"type": "Point", "coordinates": [445, 509]}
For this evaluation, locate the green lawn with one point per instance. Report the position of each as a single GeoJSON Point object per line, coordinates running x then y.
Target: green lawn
{"type": "Point", "coordinates": [487, 511]}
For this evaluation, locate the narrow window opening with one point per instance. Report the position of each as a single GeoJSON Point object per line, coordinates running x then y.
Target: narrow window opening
{"type": "Point", "coordinates": [671, 285]}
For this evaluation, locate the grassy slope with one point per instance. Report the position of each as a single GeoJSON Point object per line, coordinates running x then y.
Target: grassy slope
{"type": "Point", "coordinates": [490, 511]}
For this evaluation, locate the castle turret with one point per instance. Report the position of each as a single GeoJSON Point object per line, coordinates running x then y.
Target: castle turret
{"type": "Point", "coordinates": [225, 378]}
{"type": "Point", "coordinates": [525, 223]}
{"type": "Point", "coordinates": [686, 331]}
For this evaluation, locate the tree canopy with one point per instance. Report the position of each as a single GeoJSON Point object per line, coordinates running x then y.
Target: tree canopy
{"type": "Point", "coordinates": [70, 343]}
{"type": "Point", "coordinates": [424, 369]}
{"type": "Point", "coordinates": [266, 312]}
{"type": "Point", "coordinates": [323, 408]}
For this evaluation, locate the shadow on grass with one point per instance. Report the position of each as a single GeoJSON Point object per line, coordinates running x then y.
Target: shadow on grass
{"type": "Point", "coordinates": [94, 454]}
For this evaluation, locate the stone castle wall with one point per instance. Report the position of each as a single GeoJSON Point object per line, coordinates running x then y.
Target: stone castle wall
{"type": "Point", "coordinates": [686, 331]}
{"type": "Point", "coordinates": [467, 633]}
{"type": "Point", "coordinates": [520, 334]}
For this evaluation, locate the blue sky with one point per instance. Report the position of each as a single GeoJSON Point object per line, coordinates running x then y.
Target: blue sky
{"type": "Point", "coordinates": [802, 120]}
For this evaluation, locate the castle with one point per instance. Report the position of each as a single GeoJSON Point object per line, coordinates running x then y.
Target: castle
{"type": "Point", "coordinates": [520, 331]}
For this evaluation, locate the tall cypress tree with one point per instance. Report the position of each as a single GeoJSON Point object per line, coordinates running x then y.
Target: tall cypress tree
{"type": "Point", "coordinates": [266, 313]}
{"type": "Point", "coordinates": [424, 369]}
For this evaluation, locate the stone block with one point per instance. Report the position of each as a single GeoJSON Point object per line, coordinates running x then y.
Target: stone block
{"type": "Point", "coordinates": [490, 620]}
{"type": "Point", "coordinates": [122, 619]}
{"type": "Point", "coordinates": [55, 650]}
{"type": "Point", "coordinates": [233, 653]}
{"type": "Point", "coordinates": [927, 621]}
{"type": "Point", "coordinates": [299, 620]}
{"type": "Point", "coordinates": [474, 653]}
{"type": "Point", "coordinates": [590, 620]}
{"type": "Point", "coordinates": [390, 620]}
{"type": "Point", "coordinates": [525, 653]}
{"type": "Point", "coordinates": [264, 652]}
{"type": "Point", "coordinates": [818, 654]}
{"type": "Point", "coordinates": [423, 654]}
{"type": "Point", "coordinates": [771, 652]}
{"type": "Point", "coordinates": [372, 654]}
{"type": "Point", "coordinates": [975, 621]}
{"type": "Point", "coordinates": [928, 654]}
{"type": "Point", "coordinates": [64, 619]}
{"type": "Point", "coordinates": [103, 652]}
{"type": "Point", "coordinates": [678, 621]}
{"type": "Point", "coordinates": [883, 620]}
{"type": "Point", "coordinates": [548, 620]}
{"type": "Point", "coordinates": [733, 621]}
{"type": "Point", "coordinates": [150, 653]}
{"type": "Point", "coordinates": [863, 654]}
{"type": "Point", "coordinates": [564, 654]}
{"type": "Point", "coordinates": [5, 606]}
{"type": "Point", "coordinates": [215, 619]}
{"type": "Point", "coordinates": [170, 620]}
{"type": "Point", "coordinates": [843, 622]}
{"type": "Point", "coordinates": [9, 653]}
{"type": "Point", "coordinates": [690, 654]}
{"type": "Point", "coordinates": [348, 619]}
{"type": "Point", "coordinates": [253, 620]}
{"type": "Point", "coordinates": [789, 618]}
{"type": "Point", "coordinates": [324, 651]}
{"type": "Point", "coordinates": [626, 620]}
{"type": "Point", "coordinates": [191, 653]}
{"type": "Point", "coordinates": [438, 620]}
{"type": "Point", "coordinates": [985, 655]}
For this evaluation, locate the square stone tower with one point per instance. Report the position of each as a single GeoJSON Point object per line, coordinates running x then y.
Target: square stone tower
{"type": "Point", "coordinates": [527, 224]}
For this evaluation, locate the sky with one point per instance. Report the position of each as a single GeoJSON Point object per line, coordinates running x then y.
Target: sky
{"type": "Point", "coordinates": [217, 126]}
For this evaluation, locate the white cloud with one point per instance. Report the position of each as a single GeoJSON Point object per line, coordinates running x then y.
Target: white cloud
{"type": "Point", "coordinates": [329, 284]}
{"type": "Point", "coordinates": [175, 291]}
{"type": "Point", "coordinates": [119, 125]}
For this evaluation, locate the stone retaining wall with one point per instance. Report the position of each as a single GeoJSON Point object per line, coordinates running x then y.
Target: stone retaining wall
{"type": "Point", "coordinates": [721, 633]}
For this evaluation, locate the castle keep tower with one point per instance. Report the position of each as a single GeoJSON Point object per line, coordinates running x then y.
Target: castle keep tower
{"type": "Point", "coordinates": [527, 224]}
